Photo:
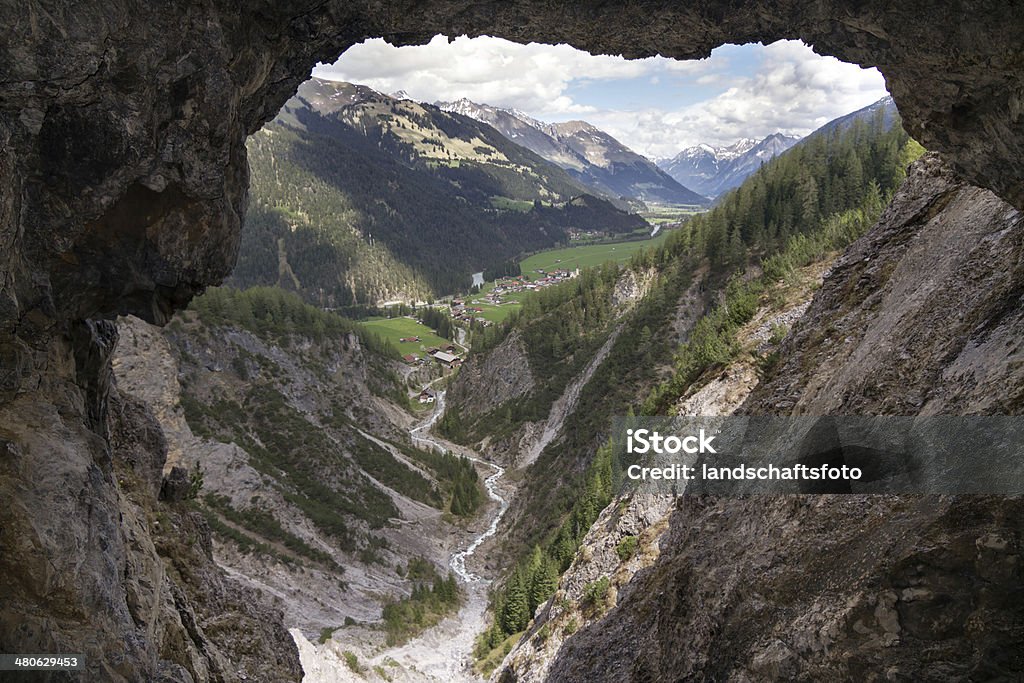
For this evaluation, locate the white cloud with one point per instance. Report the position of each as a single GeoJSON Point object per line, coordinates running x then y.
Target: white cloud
{"type": "Point", "coordinates": [531, 77]}
{"type": "Point", "coordinates": [783, 87]}
{"type": "Point", "coordinates": [794, 91]}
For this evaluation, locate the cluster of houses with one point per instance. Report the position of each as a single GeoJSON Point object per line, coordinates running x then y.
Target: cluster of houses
{"type": "Point", "coordinates": [446, 356]}
{"type": "Point", "coordinates": [513, 285]}
{"type": "Point", "coordinates": [467, 314]}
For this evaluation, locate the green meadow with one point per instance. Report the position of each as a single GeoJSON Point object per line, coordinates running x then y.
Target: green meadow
{"type": "Point", "coordinates": [584, 256]}
{"type": "Point", "coordinates": [393, 329]}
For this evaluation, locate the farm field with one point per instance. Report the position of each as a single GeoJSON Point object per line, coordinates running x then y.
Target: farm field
{"type": "Point", "coordinates": [393, 329]}
{"type": "Point", "coordinates": [496, 314]}
{"type": "Point", "coordinates": [658, 214]}
{"type": "Point", "coordinates": [567, 258]}
{"type": "Point", "coordinates": [585, 256]}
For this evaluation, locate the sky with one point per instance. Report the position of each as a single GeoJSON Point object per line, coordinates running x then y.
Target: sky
{"type": "Point", "coordinates": [656, 106]}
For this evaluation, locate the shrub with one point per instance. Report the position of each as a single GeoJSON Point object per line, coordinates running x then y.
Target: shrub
{"type": "Point", "coordinates": [352, 661]}
{"type": "Point", "coordinates": [596, 591]}
{"type": "Point", "coordinates": [626, 548]}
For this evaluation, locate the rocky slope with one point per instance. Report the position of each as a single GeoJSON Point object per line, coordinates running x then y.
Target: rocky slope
{"type": "Point", "coordinates": [123, 183]}
{"type": "Point", "coordinates": [850, 587]}
{"type": "Point", "coordinates": [918, 317]}
{"type": "Point", "coordinates": [331, 564]}
{"type": "Point", "coordinates": [487, 381]}
{"type": "Point", "coordinates": [589, 154]}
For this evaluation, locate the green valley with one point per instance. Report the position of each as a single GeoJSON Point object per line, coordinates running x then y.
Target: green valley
{"type": "Point", "coordinates": [585, 256]}
{"type": "Point", "coordinates": [343, 172]}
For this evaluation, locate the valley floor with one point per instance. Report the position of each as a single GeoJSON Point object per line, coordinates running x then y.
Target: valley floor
{"type": "Point", "coordinates": [440, 654]}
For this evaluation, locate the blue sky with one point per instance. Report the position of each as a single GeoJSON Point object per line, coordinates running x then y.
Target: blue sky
{"type": "Point", "coordinates": [668, 90]}
{"type": "Point", "coordinates": [657, 106]}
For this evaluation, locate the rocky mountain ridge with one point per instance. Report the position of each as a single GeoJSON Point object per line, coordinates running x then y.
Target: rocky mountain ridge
{"type": "Point", "coordinates": [592, 156]}
{"type": "Point", "coordinates": [712, 171]}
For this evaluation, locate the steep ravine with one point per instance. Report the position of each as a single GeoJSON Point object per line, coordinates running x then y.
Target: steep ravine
{"type": "Point", "coordinates": [846, 587]}
{"type": "Point", "coordinates": [566, 403]}
{"type": "Point", "coordinates": [642, 519]}
{"type": "Point", "coordinates": [442, 653]}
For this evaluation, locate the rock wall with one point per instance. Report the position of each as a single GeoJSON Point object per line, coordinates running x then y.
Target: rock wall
{"type": "Point", "coordinates": [922, 316]}
{"type": "Point", "coordinates": [488, 380]}
{"type": "Point", "coordinates": [94, 563]}
{"type": "Point", "coordinates": [853, 587]}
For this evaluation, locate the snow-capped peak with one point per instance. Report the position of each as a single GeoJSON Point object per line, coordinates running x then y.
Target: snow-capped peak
{"type": "Point", "coordinates": [464, 106]}
{"type": "Point", "coordinates": [738, 148]}
{"type": "Point", "coordinates": [712, 170]}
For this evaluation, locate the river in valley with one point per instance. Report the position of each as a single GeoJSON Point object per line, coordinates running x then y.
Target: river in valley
{"type": "Point", "coordinates": [442, 653]}
{"type": "Point", "coordinates": [421, 437]}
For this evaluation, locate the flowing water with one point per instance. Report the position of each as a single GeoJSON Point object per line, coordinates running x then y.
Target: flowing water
{"type": "Point", "coordinates": [420, 437]}
{"type": "Point", "coordinates": [443, 653]}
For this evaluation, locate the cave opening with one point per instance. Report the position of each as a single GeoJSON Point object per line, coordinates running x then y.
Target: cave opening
{"type": "Point", "coordinates": [655, 136]}
{"type": "Point", "coordinates": [104, 104]}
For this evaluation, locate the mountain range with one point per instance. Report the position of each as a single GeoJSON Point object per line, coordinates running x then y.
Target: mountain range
{"type": "Point", "coordinates": [589, 154]}
{"type": "Point", "coordinates": [713, 171]}
{"type": "Point", "coordinates": [357, 197]}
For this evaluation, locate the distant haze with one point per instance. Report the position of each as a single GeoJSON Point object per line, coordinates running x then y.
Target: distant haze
{"type": "Point", "coordinates": [655, 106]}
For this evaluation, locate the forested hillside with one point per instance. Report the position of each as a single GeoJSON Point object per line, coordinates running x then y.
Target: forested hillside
{"type": "Point", "coordinates": [815, 199]}
{"type": "Point", "coordinates": [804, 205]}
{"type": "Point", "coordinates": [357, 197]}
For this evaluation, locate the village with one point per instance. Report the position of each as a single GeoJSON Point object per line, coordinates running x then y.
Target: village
{"type": "Point", "coordinates": [516, 285]}
{"type": "Point", "coordinates": [446, 356]}
{"type": "Point", "coordinates": [449, 355]}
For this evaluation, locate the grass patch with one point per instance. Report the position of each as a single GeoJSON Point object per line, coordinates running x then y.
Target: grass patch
{"type": "Point", "coordinates": [585, 256]}
{"type": "Point", "coordinates": [488, 659]}
{"type": "Point", "coordinates": [393, 329]}
{"type": "Point", "coordinates": [507, 204]}
{"type": "Point", "coordinates": [352, 662]}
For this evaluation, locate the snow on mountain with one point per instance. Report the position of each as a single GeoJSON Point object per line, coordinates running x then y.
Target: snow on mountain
{"type": "Point", "coordinates": [591, 155]}
{"type": "Point", "coordinates": [714, 170]}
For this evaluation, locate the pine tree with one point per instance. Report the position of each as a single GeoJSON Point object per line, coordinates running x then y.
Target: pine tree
{"type": "Point", "coordinates": [516, 614]}
{"type": "Point", "coordinates": [543, 583]}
